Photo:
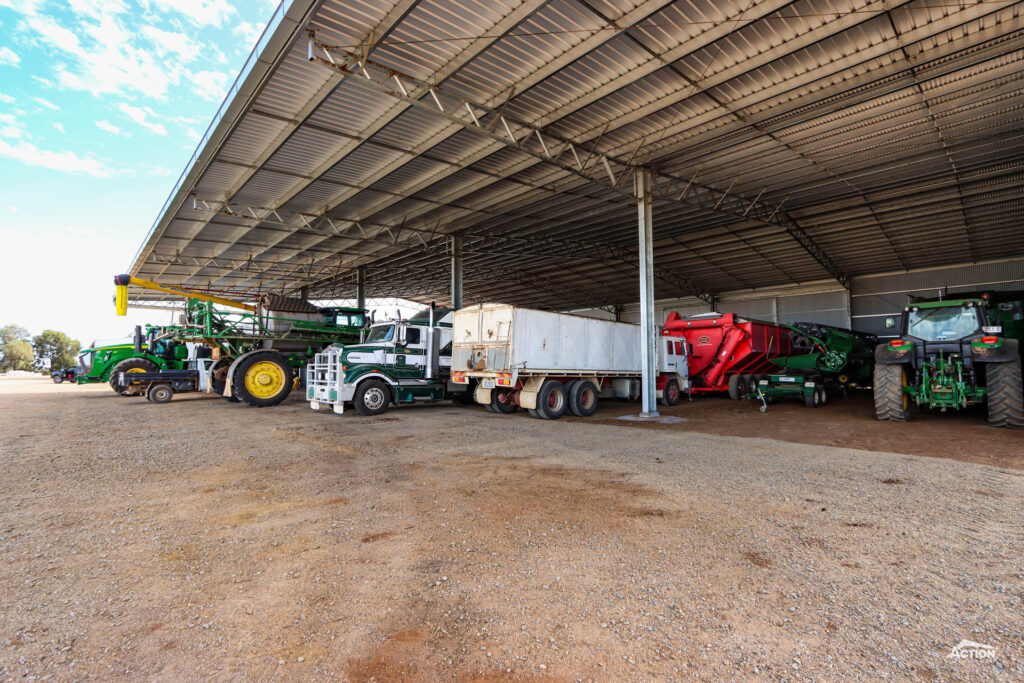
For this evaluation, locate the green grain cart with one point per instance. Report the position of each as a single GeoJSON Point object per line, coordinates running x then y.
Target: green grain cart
{"type": "Point", "coordinates": [953, 354]}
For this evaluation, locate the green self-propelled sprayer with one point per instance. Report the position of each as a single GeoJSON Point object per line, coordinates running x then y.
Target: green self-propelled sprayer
{"type": "Point", "coordinates": [953, 354]}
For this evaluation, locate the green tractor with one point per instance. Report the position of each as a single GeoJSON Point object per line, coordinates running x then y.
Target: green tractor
{"type": "Point", "coordinates": [953, 354]}
{"type": "Point", "coordinates": [151, 353]}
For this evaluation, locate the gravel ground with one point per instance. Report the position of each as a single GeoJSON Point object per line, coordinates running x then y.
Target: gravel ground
{"type": "Point", "coordinates": [201, 539]}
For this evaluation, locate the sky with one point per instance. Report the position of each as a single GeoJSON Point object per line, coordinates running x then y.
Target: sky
{"type": "Point", "coordinates": [102, 103]}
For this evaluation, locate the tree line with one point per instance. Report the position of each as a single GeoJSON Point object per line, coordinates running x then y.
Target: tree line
{"type": "Point", "coordinates": [20, 351]}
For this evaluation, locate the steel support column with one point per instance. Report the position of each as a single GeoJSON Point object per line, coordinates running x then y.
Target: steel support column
{"type": "Point", "coordinates": [361, 287]}
{"type": "Point", "coordinates": [456, 271]}
{"type": "Point", "coordinates": [648, 329]}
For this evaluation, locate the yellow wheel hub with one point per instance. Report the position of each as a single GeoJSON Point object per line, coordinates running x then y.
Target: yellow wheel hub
{"type": "Point", "coordinates": [264, 379]}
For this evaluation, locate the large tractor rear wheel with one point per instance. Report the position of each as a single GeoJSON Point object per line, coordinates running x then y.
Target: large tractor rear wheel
{"type": "Point", "coordinates": [891, 402]}
{"type": "Point", "coordinates": [130, 365]}
{"type": "Point", "coordinates": [1005, 394]}
{"type": "Point", "coordinates": [262, 379]}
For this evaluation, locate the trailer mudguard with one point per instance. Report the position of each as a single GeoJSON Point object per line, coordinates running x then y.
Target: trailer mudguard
{"type": "Point", "coordinates": [887, 355]}
{"type": "Point", "coordinates": [1008, 350]}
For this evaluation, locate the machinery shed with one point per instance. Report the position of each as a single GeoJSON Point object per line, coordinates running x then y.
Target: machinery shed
{"type": "Point", "coordinates": [791, 157]}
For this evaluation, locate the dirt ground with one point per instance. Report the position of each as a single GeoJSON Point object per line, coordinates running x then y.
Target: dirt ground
{"type": "Point", "coordinates": [201, 539]}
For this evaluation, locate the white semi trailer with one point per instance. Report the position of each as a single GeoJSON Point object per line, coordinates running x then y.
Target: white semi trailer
{"type": "Point", "coordinates": [550, 363]}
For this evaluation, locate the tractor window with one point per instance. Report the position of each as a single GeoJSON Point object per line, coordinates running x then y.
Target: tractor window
{"type": "Point", "coordinates": [943, 324]}
{"type": "Point", "coordinates": [381, 333]}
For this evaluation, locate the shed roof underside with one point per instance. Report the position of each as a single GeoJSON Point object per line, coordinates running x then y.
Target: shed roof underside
{"type": "Point", "coordinates": [791, 142]}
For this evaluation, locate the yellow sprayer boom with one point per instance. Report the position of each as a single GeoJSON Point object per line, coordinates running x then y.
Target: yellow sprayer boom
{"type": "Point", "coordinates": [121, 283]}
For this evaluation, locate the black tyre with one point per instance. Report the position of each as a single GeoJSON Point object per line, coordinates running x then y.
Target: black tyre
{"type": "Point", "coordinates": [262, 379]}
{"type": "Point", "coordinates": [1005, 394]}
{"type": "Point", "coordinates": [737, 387]}
{"type": "Point", "coordinates": [551, 400]}
{"type": "Point", "coordinates": [670, 394]}
{"type": "Point", "coordinates": [219, 377]}
{"type": "Point", "coordinates": [130, 365]}
{"type": "Point", "coordinates": [58, 379]}
{"type": "Point", "coordinates": [372, 397]}
{"type": "Point", "coordinates": [822, 395]}
{"type": "Point", "coordinates": [503, 401]}
{"type": "Point", "coordinates": [467, 397]}
{"type": "Point", "coordinates": [891, 402]}
{"type": "Point", "coordinates": [160, 393]}
{"type": "Point", "coordinates": [582, 398]}
{"type": "Point", "coordinates": [533, 413]}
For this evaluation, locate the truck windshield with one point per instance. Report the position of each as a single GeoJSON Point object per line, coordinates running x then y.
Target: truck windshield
{"type": "Point", "coordinates": [942, 324]}
{"type": "Point", "coordinates": [383, 333]}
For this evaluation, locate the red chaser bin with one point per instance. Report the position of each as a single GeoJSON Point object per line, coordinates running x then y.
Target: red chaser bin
{"type": "Point", "coordinates": [727, 352]}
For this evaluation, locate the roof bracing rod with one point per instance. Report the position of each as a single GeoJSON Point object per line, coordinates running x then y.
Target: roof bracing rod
{"type": "Point", "coordinates": [433, 241]}
{"type": "Point", "coordinates": [536, 142]}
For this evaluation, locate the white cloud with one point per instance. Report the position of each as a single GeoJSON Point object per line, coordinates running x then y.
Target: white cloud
{"type": "Point", "coordinates": [197, 12]}
{"type": "Point", "coordinates": [249, 33]}
{"type": "Point", "coordinates": [140, 115]}
{"type": "Point", "coordinates": [11, 128]}
{"type": "Point", "coordinates": [6, 99]}
{"type": "Point", "coordinates": [9, 57]}
{"type": "Point", "coordinates": [59, 126]}
{"type": "Point", "coordinates": [171, 42]}
{"type": "Point", "coordinates": [111, 128]}
{"type": "Point", "coordinates": [212, 85]}
{"type": "Point", "coordinates": [104, 57]}
{"type": "Point", "coordinates": [65, 161]}
{"type": "Point", "coordinates": [46, 103]}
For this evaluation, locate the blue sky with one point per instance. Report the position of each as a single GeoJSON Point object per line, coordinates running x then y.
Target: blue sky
{"type": "Point", "coordinates": [102, 103]}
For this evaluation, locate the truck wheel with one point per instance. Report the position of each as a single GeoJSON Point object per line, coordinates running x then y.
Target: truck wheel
{"type": "Point", "coordinates": [159, 393]}
{"type": "Point", "coordinates": [891, 402]}
{"type": "Point", "coordinates": [262, 379]}
{"type": "Point", "coordinates": [372, 397]}
{"type": "Point", "coordinates": [551, 400]}
{"type": "Point", "coordinates": [58, 379]}
{"type": "Point", "coordinates": [582, 398]}
{"type": "Point", "coordinates": [1005, 395]}
{"type": "Point", "coordinates": [533, 413]}
{"type": "Point", "coordinates": [503, 402]}
{"type": "Point", "coordinates": [130, 365]}
{"type": "Point", "coordinates": [670, 394]}
{"type": "Point", "coordinates": [737, 387]}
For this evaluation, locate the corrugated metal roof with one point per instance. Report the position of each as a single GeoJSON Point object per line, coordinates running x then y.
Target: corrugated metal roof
{"type": "Point", "coordinates": [791, 142]}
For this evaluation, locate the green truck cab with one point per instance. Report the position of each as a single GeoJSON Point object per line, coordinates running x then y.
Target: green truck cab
{"type": "Point", "coordinates": [398, 362]}
{"type": "Point", "coordinates": [952, 354]}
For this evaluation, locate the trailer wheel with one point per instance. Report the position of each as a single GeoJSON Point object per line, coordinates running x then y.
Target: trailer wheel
{"type": "Point", "coordinates": [737, 387]}
{"type": "Point", "coordinates": [159, 393]}
{"type": "Point", "coordinates": [813, 400]}
{"type": "Point", "coordinates": [372, 397]}
{"type": "Point", "coordinates": [533, 413]}
{"type": "Point", "coordinates": [130, 365]}
{"type": "Point", "coordinates": [670, 394]}
{"type": "Point", "coordinates": [551, 400]}
{"type": "Point", "coordinates": [262, 379]}
{"type": "Point", "coordinates": [503, 401]}
{"type": "Point", "coordinates": [891, 402]}
{"type": "Point", "coordinates": [582, 398]}
{"type": "Point", "coordinates": [1005, 395]}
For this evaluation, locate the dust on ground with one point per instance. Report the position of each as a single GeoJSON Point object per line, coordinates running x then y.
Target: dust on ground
{"type": "Point", "coordinates": [203, 539]}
